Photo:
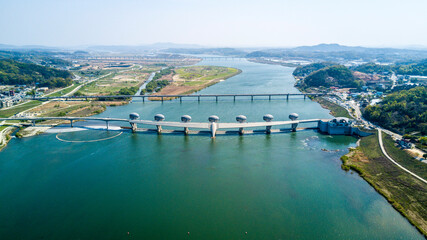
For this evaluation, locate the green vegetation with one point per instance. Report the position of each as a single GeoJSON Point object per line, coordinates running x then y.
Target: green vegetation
{"type": "Point", "coordinates": [205, 73]}
{"type": "Point", "coordinates": [155, 85]}
{"type": "Point", "coordinates": [409, 68]}
{"type": "Point", "coordinates": [305, 70]}
{"type": "Point", "coordinates": [336, 75]}
{"type": "Point", "coordinates": [405, 193]}
{"type": "Point", "coordinates": [403, 111]}
{"type": "Point", "coordinates": [128, 91]}
{"type": "Point", "coordinates": [17, 73]}
{"type": "Point", "coordinates": [419, 68]}
{"type": "Point", "coordinates": [190, 79]}
{"type": "Point", "coordinates": [93, 73]}
{"type": "Point", "coordinates": [158, 83]}
{"type": "Point", "coordinates": [163, 72]}
{"type": "Point", "coordinates": [404, 158]}
{"type": "Point", "coordinates": [12, 111]}
{"type": "Point", "coordinates": [63, 91]}
{"type": "Point", "coordinates": [39, 57]}
{"type": "Point", "coordinates": [115, 82]}
{"type": "Point", "coordinates": [336, 110]}
{"type": "Point", "coordinates": [372, 68]}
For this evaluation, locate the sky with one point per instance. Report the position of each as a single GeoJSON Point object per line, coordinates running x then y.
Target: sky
{"type": "Point", "coordinates": [218, 23]}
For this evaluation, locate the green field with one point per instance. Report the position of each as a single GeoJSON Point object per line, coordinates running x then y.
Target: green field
{"type": "Point", "coordinates": [196, 75]}
{"type": "Point", "coordinates": [10, 112]}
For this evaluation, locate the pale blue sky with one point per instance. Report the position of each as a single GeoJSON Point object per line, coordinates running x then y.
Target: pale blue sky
{"type": "Point", "coordinates": [214, 23]}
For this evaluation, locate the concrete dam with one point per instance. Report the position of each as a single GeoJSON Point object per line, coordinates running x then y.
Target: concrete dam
{"type": "Point", "coordinates": [335, 126]}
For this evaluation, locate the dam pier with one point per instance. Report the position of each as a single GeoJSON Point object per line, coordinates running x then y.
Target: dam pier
{"type": "Point", "coordinates": [336, 126]}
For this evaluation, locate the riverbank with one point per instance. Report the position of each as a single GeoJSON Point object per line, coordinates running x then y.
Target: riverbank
{"type": "Point", "coordinates": [404, 192]}
{"type": "Point", "coordinates": [188, 80]}
{"type": "Point", "coordinates": [335, 109]}
{"type": "Point", "coordinates": [5, 132]}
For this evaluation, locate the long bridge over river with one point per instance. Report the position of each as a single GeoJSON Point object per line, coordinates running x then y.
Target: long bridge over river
{"type": "Point", "coordinates": [198, 97]}
{"type": "Point", "coordinates": [212, 125]}
{"type": "Point", "coordinates": [335, 126]}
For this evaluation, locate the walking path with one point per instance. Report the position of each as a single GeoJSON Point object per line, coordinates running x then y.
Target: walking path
{"type": "Point", "coordinates": [380, 140]}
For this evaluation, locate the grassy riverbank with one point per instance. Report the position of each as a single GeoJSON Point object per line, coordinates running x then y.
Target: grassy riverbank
{"type": "Point", "coordinates": [187, 80]}
{"type": "Point", "coordinates": [336, 110]}
{"type": "Point", "coordinates": [405, 193]}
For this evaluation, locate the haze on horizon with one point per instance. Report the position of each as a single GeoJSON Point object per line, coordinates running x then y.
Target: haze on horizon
{"type": "Point", "coordinates": [240, 23]}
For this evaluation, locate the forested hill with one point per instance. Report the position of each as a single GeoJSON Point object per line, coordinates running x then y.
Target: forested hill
{"type": "Point", "coordinates": [332, 76]}
{"type": "Point", "coordinates": [17, 73]}
{"type": "Point", "coordinates": [418, 68]}
{"type": "Point", "coordinates": [305, 70]}
{"type": "Point", "coordinates": [404, 111]}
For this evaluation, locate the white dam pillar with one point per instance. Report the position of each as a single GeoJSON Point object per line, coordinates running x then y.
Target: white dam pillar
{"type": "Point", "coordinates": [241, 119]}
{"type": "Point", "coordinates": [133, 116]}
{"type": "Point", "coordinates": [159, 118]}
{"type": "Point", "coordinates": [185, 119]}
{"type": "Point", "coordinates": [268, 118]}
{"type": "Point", "coordinates": [214, 124]}
{"type": "Point", "coordinates": [294, 117]}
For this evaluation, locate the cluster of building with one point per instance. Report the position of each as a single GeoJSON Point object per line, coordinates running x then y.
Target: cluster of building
{"type": "Point", "coordinates": [12, 95]}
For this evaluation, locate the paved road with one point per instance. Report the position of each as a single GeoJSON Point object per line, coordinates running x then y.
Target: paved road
{"type": "Point", "coordinates": [380, 140]}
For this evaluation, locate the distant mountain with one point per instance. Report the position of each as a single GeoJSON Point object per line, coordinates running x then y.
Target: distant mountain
{"type": "Point", "coordinates": [342, 54]}
{"type": "Point", "coordinates": [26, 47]}
{"type": "Point", "coordinates": [140, 48]}
{"type": "Point", "coordinates": [209, 51]}
{"type": "Point", "coordinates": [329, 48]}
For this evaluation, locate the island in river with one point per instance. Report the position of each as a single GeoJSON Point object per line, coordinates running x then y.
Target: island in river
{"type": "Point", "coordinates": [187, 80]}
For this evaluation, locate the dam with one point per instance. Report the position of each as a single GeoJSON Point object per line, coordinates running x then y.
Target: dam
{"type": "Point", "coordinates": [336, 126]}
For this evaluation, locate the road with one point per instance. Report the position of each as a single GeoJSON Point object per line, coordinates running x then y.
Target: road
{"type": "Point", "coordinates": [380, 140]}
{"type": "Point", "coordinates": [77, 88]}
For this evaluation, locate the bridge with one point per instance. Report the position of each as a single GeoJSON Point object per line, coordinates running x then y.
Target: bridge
{"type": "Point", "coordinates": [212, 126]}
{"type": "Point", "coordinates": [197, 97]}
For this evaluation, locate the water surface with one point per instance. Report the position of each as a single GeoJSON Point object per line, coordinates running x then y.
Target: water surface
{"type": "Point", "coordinates": [278, 186]}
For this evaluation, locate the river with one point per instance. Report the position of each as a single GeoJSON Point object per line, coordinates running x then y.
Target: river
{"type": "Point", "coordinates": [145, 186]}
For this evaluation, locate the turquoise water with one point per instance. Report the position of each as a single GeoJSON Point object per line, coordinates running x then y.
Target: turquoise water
{"type": "Point", "coordinates": [281, 186]}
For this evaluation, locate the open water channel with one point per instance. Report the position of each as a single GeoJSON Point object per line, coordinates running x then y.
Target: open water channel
{"type": "Point", "coordinates": [145, 186]}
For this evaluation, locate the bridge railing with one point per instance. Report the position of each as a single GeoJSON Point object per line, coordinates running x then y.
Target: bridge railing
{"type": "Point", "coordinates": [195, 96]}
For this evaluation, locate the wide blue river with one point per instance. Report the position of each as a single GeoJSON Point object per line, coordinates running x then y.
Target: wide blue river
{"type": "Point", "coordinates": [145, 186]}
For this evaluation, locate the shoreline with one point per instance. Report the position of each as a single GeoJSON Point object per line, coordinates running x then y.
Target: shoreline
{"type": "Point", "coordinates": [196, 88]}
{"type": "Point", "coordinates": [355, 154]}
{"type": "Point", "coordinates": [387, 191]}
{"type": "Point", "coordinates": [358, 160]}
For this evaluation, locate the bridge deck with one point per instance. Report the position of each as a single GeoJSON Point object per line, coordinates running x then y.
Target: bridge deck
{"type": "Point", "coordinates": [198, 96]}
{"type": "Point", "coordinates": [198, 125]}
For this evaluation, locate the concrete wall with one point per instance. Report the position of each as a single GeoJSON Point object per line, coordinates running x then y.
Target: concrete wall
{"type": "Point", "coordinates": [331, 129]}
